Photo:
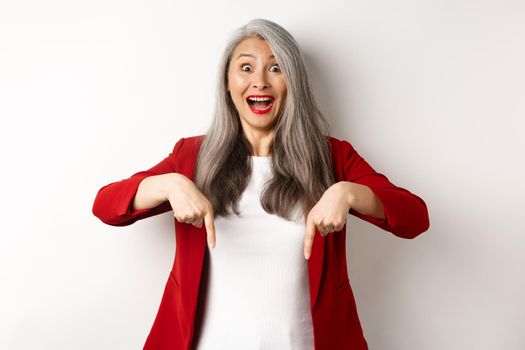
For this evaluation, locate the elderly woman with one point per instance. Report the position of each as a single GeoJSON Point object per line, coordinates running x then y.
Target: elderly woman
{"type": "Point", "coordinates": [269, 191]}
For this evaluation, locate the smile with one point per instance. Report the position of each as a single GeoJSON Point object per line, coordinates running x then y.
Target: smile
{"type": "Point", "coordinates": [260, 104]}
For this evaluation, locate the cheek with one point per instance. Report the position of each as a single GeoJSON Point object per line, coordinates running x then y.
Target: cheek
{"type": "Point", "coordinates": [283, 93]}
{"type": "Point", "coordinates": [236, 87]}
{"type": "Point", "coordinates": [237, 81]}
{"type": "Point", "coordinates": [281, 86]}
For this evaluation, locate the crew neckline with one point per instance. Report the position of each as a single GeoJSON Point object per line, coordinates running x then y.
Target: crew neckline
{"type": "Point", "coordinates": [258, 157]}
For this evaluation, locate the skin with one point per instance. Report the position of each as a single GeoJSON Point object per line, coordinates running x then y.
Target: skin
{"type": "Point", "coordinates": [329, 214]}
{"type": "Point", "coordinates": [259, 74]}
{"type": "Point", "coordinates": [256, 75]}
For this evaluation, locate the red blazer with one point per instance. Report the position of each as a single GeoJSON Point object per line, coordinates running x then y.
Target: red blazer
{"type": "Point", "coordinates": [336, 324]}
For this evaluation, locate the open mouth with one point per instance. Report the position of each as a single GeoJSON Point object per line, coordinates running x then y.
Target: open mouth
{"type": "Point", "coordinates": [260, 105]}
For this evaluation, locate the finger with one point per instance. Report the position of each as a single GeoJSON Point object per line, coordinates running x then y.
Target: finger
{"type": "Point", "coordinates": [309, 238]}
{"type": "Point", "coordinates": [328, 229]}
{"type": "Point", "coordinates": [197, 219]}
{"type": "Point", "coordinates": [210, 229]}
{"type": "Point", "coordinates": [198, 222]}
{"type": "Point", "coordinates": [191, 220]}
{"type": "Point", "coordinates": [184, 219]}
{"type": "Point", "coordinates": [323, 229]}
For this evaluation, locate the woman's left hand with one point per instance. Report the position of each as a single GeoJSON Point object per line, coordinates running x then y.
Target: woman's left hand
{"type": "Point", "coordinates": [329, 214]}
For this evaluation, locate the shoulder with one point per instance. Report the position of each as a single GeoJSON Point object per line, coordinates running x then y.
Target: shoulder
{"type": "Point", "coordinates": [339, 147]}
{"type": "Point", "coordinates": [334, 141]}
{"type": "Point", "coordinates": [189, 143]}
{"type": "Point", "coordinates": [185, 153]}
{"type": "Point", "coordinates": [193, 138]}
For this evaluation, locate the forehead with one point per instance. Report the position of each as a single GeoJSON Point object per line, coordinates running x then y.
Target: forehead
{"type": "Point", "coordinates": [253, 46]}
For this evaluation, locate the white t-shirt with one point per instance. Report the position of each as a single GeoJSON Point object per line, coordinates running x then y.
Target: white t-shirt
{"type": "Point", "coordinates": [258, 295]}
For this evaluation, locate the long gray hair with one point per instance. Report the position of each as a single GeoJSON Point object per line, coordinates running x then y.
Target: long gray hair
{"type": "Point", "coordinates": [300, 151]}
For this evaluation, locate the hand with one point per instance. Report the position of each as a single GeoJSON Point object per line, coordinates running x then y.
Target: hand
{"type": "Point", "coordinates": [190, 205]}
{"type": "Point", "coordinates": [328, 214]}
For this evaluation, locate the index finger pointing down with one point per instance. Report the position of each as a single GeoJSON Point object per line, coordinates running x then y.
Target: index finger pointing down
{"type": "Point", "coordinates": [309, 238]}
{"type": "Point", "coordinates": [210, 229]}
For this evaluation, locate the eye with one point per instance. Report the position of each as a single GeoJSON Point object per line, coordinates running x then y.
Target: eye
{"type": "Point", "coordinates": [247, 65]}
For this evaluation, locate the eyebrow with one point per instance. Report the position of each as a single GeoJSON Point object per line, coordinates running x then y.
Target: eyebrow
{"type": "Point", "coordinates": [250, 55]}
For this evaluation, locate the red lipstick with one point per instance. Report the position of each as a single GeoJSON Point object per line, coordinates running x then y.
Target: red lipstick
{"type": "Point", "coordinates": [261, 111]}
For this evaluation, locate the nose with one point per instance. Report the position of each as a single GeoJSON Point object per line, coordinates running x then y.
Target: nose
{"type": "Point", "coordinates": [260, 80]}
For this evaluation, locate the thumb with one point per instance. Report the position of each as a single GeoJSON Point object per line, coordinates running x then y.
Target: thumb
{"type": "Point", "coordinates": [210, 228]}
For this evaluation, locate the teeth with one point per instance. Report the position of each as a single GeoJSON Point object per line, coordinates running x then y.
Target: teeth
{"type": "Point", "coordinates": [259, 99]}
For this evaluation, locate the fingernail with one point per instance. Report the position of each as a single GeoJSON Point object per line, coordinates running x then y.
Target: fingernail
{"type": "Point", "coordinates": [306, 255]}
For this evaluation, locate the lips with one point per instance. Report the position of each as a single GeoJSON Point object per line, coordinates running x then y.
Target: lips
{"type": "Point", "coordinates": [260, 104]}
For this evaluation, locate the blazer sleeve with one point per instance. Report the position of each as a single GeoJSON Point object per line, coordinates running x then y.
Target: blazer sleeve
{"type": "Point", "coordinates": [113, 202]}
{"type": "Point", "coordinates": [406, 214]}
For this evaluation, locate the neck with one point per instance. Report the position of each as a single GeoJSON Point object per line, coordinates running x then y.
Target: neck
{"type": "Point", "coordinates": [260, 142]}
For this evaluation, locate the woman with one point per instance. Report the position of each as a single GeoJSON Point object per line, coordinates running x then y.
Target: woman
{"type": "Point", "coordinates": [265, 185]}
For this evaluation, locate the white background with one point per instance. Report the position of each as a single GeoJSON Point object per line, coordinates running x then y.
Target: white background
{"type": "Point", "coordinates": [430, 92]}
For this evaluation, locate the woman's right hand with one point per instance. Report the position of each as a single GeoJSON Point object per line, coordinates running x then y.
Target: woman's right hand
{"type": "Point", "coordinates": [189, 204]}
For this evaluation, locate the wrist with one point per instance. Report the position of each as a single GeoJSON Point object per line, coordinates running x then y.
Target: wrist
{"type": "Point", "coordinates": [166, 181]}
{"type": "Point", "coordinates": [349, 190]}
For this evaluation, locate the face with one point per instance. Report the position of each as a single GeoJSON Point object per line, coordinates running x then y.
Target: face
{"type": "Point", "coordinates": [254, 72]}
